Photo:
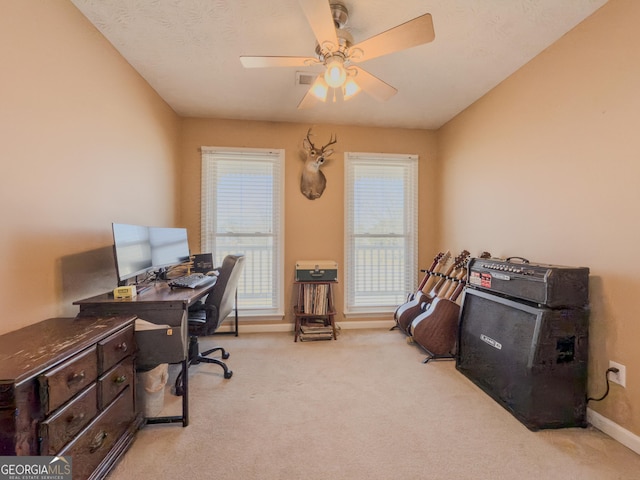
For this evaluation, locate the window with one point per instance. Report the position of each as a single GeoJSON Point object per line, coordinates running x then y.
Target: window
{"type": "Point", "coordinates": [381, 200]}
{"type": "Point", "coordinates": [242, 212]}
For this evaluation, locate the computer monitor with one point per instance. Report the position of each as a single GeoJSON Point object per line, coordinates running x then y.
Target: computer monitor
{"type": "Point", "coordinates": [169, 246]}
{"type": "Point", "coordinates": [140, 249]}
{"type": "Point", "coordinates": [132, 250]}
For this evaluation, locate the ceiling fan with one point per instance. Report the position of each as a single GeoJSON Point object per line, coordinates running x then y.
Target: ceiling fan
{"type": "Point", "coordinates": [337, 53]}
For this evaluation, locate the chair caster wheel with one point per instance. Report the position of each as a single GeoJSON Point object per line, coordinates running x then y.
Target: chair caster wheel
{"type": "Point", "coordinates": [228, 374]}
{"type": "Point", "coordinates": [225, 355]}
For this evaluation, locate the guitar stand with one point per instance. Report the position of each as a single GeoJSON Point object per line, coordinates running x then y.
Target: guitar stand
{"type": "Point", "coordinates": [437, 357]}
{"type": "Point", "coordinates": [434, 356]}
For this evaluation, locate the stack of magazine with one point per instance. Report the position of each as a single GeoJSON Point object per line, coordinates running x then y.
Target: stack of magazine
{"type": "Point", "coordinates": [315, 329]}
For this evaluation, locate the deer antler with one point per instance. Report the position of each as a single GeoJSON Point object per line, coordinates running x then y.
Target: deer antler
{"type": "Point", "coordinates": [313, 147]}
{"type": "Point", "coordinates": [332, 140]}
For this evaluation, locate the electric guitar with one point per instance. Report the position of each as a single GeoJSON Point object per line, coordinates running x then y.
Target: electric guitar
{"type": "Point", "coordinates": [411, 296]}
{"type": "Point", "coordinates": [436, 330]}
{"type": "Point", "coordinates": [405, 313]}
{"type": "Point", "coordinates": [437, 282]}
{"type": "Point", "coordinates": [447, 285]}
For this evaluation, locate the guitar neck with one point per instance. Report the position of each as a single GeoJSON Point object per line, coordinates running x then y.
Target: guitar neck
{"type": "Point", "coordinates": [434, 279]}
{"type": "Point", "coordinates": [456, 293]}
{"type": "Point", "coordinates": [456, 285]}
{"type": "Point", "coordinates": [451, 283]}
{"type": "Point", "coordinates": [456, 269]}
{"type": "Point", "coordinates": [436, 259]}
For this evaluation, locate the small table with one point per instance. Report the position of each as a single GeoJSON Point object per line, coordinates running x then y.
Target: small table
{"type": "Point", "coordinates": [314, 302]}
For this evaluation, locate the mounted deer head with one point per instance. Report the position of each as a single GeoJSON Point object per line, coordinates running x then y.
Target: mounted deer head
{"type": "Point", "coordinates": [313, 181]}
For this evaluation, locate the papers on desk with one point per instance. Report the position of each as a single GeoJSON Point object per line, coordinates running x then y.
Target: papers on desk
{"type": "Point", "coordinates": [143, 325]}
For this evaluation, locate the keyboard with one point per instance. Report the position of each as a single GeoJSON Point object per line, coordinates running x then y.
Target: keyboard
{"type": "Point", "coordinates": [194, 280]}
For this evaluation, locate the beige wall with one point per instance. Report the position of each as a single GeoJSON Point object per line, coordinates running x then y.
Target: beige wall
{"type": "Point", "coordinates": [85, 142]}
{"type": "Point", "coordinates": [314, 229]}
{"type": "Point", "coordinates": [549, 164]}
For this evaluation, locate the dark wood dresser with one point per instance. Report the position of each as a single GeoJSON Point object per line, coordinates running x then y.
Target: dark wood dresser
{"type": "Point", "coordinates": [67, 388]}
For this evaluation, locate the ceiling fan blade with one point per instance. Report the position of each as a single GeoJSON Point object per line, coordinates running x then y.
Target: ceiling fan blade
{"type": "Point", "coordinates": [375, 87]}
{"type": "Point", "coordinates": [319, 16]}
{"type": "Point", "coordinates": [259, 62]}
{"type": "Point", "coordinates": [410, 34]}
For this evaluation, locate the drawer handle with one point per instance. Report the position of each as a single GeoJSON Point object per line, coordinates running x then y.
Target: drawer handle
{"type": "Point", "coordinates": [76, 378]}
{"type": "Point", "coordinates": [122, 346]}
{"type": "Point", "coordinates": [120, 379]}
{"type": "Point", "coordinates": [97, 442]}
{"type": "Point", "coordinates": [74, 420]}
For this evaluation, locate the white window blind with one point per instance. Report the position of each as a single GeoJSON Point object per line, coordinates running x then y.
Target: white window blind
{"type": "Point", "coordinates": [381, 217]}
{"type": "Point", "coordinates": [242, 212]}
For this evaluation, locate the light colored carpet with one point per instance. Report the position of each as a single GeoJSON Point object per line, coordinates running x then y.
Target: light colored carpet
{"type": "Point", "coordinates": [361, 407]}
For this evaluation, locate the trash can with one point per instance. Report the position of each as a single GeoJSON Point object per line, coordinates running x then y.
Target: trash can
{"type": "Point", "coordinates": [150, 389]}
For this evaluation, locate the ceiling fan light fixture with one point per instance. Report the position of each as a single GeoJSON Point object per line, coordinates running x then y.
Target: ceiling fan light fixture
{"type": "Point", "coordinates": [336, 74]}
{"type": "Point", "coordinates": [320, 89]}
{"type": "Point", "coordinates": [350, 89]}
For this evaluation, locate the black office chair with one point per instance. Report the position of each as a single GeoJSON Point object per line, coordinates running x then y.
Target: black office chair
{"type": "Point", "coordinates": [206, 317]}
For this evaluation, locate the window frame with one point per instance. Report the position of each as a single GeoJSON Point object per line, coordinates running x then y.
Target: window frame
{"type": "Point", "coordinates": [409, 162]}
{"type": "Point", "coordinates": [211, 155]}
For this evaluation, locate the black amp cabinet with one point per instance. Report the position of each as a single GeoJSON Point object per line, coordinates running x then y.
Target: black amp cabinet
{"type": "Point", "coordinates": [529, 357]}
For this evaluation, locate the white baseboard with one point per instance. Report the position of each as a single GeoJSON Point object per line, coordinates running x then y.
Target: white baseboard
{"type": "Point", "coordinates": [386, 324]}
{"type": "Point", "coordinates": [288, 327]}
{"type": "Point", "coordinates": [615, 431]}
{"type": "Point", "coordinates": [259, 328]}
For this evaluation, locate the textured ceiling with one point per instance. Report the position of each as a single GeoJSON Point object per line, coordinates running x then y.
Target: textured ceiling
{"type": "Point", "coordinates": [188, 51]}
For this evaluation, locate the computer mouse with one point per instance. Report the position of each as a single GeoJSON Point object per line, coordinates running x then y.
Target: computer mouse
{"type": "Point", "coordinates": [213, 273]}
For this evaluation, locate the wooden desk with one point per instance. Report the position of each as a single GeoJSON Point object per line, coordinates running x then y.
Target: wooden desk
{"type": "Point", "coordinates": [159, 304]}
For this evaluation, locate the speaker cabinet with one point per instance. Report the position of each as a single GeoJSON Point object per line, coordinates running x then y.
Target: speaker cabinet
{"type": "Point", "coordinates": [531, 360]}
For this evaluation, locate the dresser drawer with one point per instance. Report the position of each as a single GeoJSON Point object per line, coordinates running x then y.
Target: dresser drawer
{"type": "Point", "coordinates": [60, 428]}
{"type": "Point", "coordinates": [95, 442]}
{"type": "Point", "coordinates": [114, 381]}
{"type": "Point", "coordinates": [115, 347]}
{"type": "Point", "coordinates": [60, 384]}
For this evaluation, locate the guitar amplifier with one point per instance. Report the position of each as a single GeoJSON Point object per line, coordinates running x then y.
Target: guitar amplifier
{"type": "Point", "coordinates": [553, 286]}
{"type": "Point", "coordinates": [531, 360]}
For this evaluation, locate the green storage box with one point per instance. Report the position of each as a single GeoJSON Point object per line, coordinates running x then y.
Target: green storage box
{"type": "Point", "coordinates": [316, 271]}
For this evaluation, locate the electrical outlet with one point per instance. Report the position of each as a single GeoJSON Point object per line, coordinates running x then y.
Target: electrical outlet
{"type": "Point", "coordinates": [621, 377]}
